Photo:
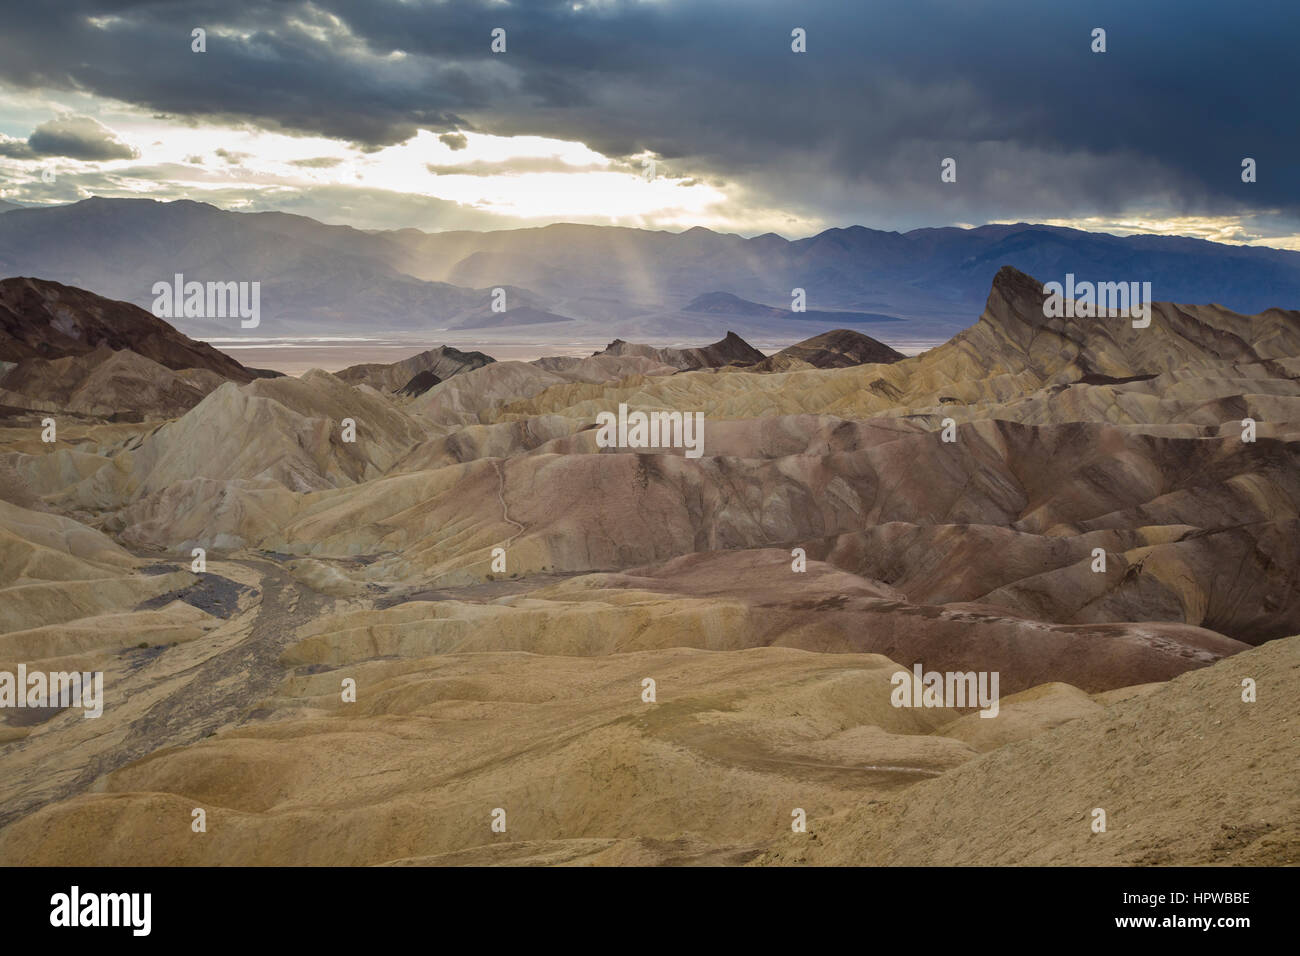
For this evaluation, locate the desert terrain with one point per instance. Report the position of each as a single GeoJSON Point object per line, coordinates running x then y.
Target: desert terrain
{"type": "Point", "coordinates": [430, 599]}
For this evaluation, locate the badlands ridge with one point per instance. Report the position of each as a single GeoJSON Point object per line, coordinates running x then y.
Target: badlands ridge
{"type": "Point", "coordinates": [498, 588]}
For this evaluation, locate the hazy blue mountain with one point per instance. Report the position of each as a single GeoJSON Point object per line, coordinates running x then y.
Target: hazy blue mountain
{"type": "Point", "coordinates": [316, 279]}
{"type": "Point", "coordinates": [319, 279]}
{"type": "Point", "coordinates": [724, 303]}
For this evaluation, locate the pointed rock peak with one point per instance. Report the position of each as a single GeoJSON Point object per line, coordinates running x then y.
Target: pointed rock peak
{"type": "Point", "coordinates": [1010, 282]}
{"type": "Point", "coordinates": [730, 350]}
{"type": "Point", "coordinates": [1015, 301]}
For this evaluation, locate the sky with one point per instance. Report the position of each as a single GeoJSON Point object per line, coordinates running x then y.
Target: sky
{"type": "Point", "coordinates": [667, 114]}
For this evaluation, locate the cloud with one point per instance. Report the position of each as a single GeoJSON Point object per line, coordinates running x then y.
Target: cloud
{"type": "Point", "coordinates": [319, 162]}
{"type": "Point", "coordinates": [513, 166]}
{"type": "Point", "coordinates": [851, 130]}
{"type": "Point", "coordinates": [79, 137]}
{"type": "Point", "coordinates": [454, 141]}
{"type": "Point", "coordinates": [232, 157]}
{"type": "Point", "coordinates": [16, 148]}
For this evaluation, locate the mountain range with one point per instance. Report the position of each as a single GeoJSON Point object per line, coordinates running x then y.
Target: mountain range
{"type": "Point", "coordinates": [590, 283]}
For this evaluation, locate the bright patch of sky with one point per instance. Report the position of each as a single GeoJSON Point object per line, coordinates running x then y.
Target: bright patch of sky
{"type": "Point", "coordinates": [514, 180]}
{"type": "Point", "coordinates": [469, 181]}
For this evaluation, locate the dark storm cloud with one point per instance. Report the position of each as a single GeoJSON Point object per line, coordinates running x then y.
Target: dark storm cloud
{"type": "Point", "coordinates": [78, 137]}
{"type": "Point", "coordinates": [454, 141]}
{"type": "Point", "coordinates": [16, 148]}
{"type": "Point", "coordinates": [856, 127]}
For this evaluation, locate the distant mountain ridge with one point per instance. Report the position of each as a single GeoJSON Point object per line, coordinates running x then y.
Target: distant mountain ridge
{"type": "Point", "coordinates": [607, 281]}
{"type": "Point", "coordinates": [524, 315]}
{"type": "Point", "coordinates": [724, 303]}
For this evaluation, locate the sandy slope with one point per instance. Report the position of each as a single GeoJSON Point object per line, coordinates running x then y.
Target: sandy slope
{"type": "Point", "coordinates": [1187, 774]}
